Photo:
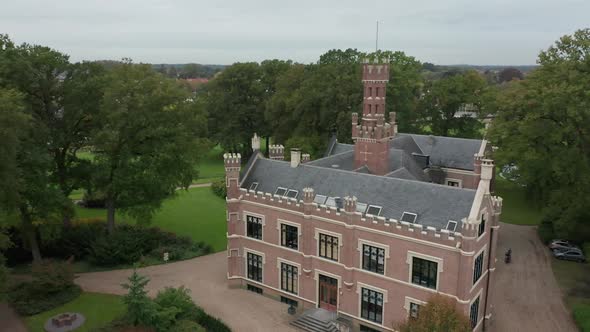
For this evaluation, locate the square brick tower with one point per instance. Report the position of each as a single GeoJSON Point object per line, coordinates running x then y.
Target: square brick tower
{"type": "Point", "coordinates": [371, 137]}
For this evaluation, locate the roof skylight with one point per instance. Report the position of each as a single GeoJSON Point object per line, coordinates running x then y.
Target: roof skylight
{"type": "Point", "coordinates": [320, 199]}
{"type": "Point", "coordinates": [374, 210]}
{"type": "Point", "coordinates": [451, 225]}
{"type": "Point", "coordinates": [254, 185]}
{"type": "Point", "coordinates": [281, 191]}
{"type": "Point", "coordinates": [361, 207]}
{"type": "Point", "coordinates": [292, 193]}
{"type": "Point", "coordinates": [409, 217]}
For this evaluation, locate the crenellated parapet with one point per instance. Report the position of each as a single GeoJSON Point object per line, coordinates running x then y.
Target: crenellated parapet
{"type": "Point", "coordinates": [276, 152]}
{"type": "Point", "coordinates": [349, 216]}
{"type": "Point", "coordinates": [497, 204]}
{"type": "Point", "coordinates": [232, 163]}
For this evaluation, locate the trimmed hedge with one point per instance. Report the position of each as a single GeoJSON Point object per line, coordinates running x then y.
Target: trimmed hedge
{"type": "Point", "coordinates": [582, 316]}
{"type": "Point", "coordinates": [546, 231]}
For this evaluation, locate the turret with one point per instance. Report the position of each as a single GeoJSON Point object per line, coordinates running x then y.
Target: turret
{"type": "Point", "coordinates": [255, 143]}
{"type": "Point", "coordinates": [232, 163]}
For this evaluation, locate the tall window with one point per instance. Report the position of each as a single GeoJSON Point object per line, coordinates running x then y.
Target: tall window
{"type": "Point", "coordinates": [372, 305]}
{"type": "Point", "coordinates": [373, 259]}
{"type": "Point", "coordinates": [424, 272]}
{"type": "Point", "coordinates": [328, 247]}
{"type": "Point", "coordinates": [414, 310]}
{"type": "Point", "coordinates": [254, 227]}
{"type": "Point", "coordinates": [478, 267]}
{"type": "Point", "coordinates": [289, 236]}
{"type": "Point", "coordinates": [482, 226]}
{"type": "Point", "coordinates": [474, 313]}
{"type": "Point", "coordinates": [289, 278]}
{"type": "Point", "coordinates": [254, 267]}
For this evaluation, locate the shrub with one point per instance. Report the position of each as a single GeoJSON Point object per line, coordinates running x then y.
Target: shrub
{"type": "Point", "coordinates": [546, 231]}
{"type": "Point", "coordinates": [117, 248]}
{"type": "Point", "coordinates": [188, 326]}
{"type": "Point", "coordinates": [210, 323]}
{"type": "Point", "coordinates": [75, 240]}
{"type": "Point", "coordinates": [582, 316]}
{"type": "Point", "coordinates": [27, 301]}
{"type": "Point", "coordinates": [586, 248]}
{"type": "Point", "coordinates": [219, 188]}
{"type": "Point", "coordinates": [52, 286]}
{"type": "Point", "coordinates": [178, 298]}
{"type": "Point", "coordinates": [140, 309]}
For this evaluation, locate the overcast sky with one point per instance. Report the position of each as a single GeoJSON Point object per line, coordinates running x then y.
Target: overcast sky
{"type": "Point", "coordinates": [222, 32]}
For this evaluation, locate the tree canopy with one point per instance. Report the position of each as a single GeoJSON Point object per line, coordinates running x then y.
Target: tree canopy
{"type": "Point", "coordinates": [439, 314]}
{"type": "Point", "coordinates": [543, 127]}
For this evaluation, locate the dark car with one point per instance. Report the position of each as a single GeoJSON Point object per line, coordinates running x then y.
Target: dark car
{"type": "Point", "coordinates": [570, 255]}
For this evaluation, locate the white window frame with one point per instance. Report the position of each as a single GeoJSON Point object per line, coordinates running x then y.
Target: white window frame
{"type": "Point", "coordinates": [409, 300]}
{"type": "Point", "coordinates": [290, 190]}
{"type": "Point", "coordinates": [324, 200]}
{"type": "Point", "coordinates": [246, 251]}
{"type": "Point", "coordinates": [459, 181]}
{"type": "Point", "coordinates": [317, 243]}
{"type": "Point", "coordinates": [263, 222]}
{"type": "Point", "coordinates": [439, 268]}
{"type": "Point", "coordinates": [411, 213]}
{"type": "Point", "coordinates": [283, 195]}
{"type": "Point", "coordinates": [297, 265]}
{"type": "Point", "coordinates": [334, 198]}
{"type": "Point", "coordinates": [483, 214]}
{"type": "Point", "coordinates": [385, 247]}
{"type": "Point", "coordinates": [255, 184]}
{"type": "Point", "coordinates": [364, 210]}
{"type": "Point", "coordinates": [359, 291]}
{"type": "Point", "coordinates": [454, 228]}
{"type": "Point", "coordinates": [375, 206]}
{"type": "Point", "coordinates": [299, 234]}
{"type": "Point", "coordinates": [483, 266]}
{"type": "Point", "coordinates": [478, 295]}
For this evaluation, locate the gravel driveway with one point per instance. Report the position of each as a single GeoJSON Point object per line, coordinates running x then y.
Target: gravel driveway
{"type": "Point", "coordinates": [527, 297]}
{"type": "Point", "coordinates": [205, 276]}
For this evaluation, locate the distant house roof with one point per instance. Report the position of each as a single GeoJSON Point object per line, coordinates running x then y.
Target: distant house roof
{"type": "Point", "coordinates": [434, 204]}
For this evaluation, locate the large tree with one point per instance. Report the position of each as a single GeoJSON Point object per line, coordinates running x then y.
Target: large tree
{"type": "Point", "coordinates": [235, 103]}
{"type": "Point", "coordinates": [147, 141]}
{"type": "Point", "coordinates": [543, 127]}
{"type": "Point", "coordinates": [64, 98]}
{"type": "Point", "coordinates": [444, 98]}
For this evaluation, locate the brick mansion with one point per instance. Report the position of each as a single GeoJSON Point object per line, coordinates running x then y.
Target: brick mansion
{"type": "Point", "coordinates": [371, 231]}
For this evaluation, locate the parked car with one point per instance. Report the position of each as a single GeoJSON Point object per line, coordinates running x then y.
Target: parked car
{"type": "Point", "coordinates": [561, 245]}
{"type": "Point", "coordinates": [570, 255]}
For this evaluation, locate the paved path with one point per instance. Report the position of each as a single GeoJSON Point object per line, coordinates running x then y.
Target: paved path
{"type": "Point", "coordinates": [206, 277]}
{"type": "Point", "coordinates": [527, 296]}
{"type": "Point", "coordinates": [9, 320]}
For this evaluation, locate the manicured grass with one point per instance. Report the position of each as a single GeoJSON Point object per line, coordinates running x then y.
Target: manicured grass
{"type": "Point", "coordinates": [574, 281]}
{"type": "Point", "coordinates": [196, 213]}
{"type": "Point", "coordinates": [516, 209]}
{"type": "Point", "coordinates": [98, 309]}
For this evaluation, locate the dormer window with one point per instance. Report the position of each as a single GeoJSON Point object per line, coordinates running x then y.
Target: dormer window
{"type": "Point", "coordinates": [281, 191]}
{"type": "Point", "coordinates": [292, 193]}
{"type": "Point", "coordinates": [253, 186]}
{"type": "Point", "coordinates": [374, 210]}
{"type": "Point", "coordinates": [361, 207]}
{"type": "Point", "coordinates": [320, 199]}
{"type": "Point", "coordinates": [331, 201]}
{"type": "Point", "coordinates": [409, 217]}
{"type": "Point", "coordinates": [451, 226]}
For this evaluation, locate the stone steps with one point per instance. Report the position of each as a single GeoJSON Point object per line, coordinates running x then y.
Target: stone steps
{"type": "Point", "coordinates": [310, 322]}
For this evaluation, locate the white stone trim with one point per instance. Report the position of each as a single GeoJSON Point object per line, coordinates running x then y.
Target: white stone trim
{"type": "Point", "coordinates": [316, 277]}
{"type": "Point", "coordinates": [479, 312]}
{"type": "Point", "coordinates": [484, 269]}
{"type": "Point", "coordinates": [252, 251]}
{"type": "Point", "coordinates": [366, 229]}
{"type": "Point", "coordinates": [459, 181]}
{"type": "Point", "coordinates": [317, 232]}
{"type": "Point", "coordinates": [359, 248]}
{"type": "Point", "coordinates": [258, 215]}
{"type": "Point", "coordinates": [297, 265]}
{"type": "Point", "coordinates": [361, 285]}
{"type": "Point", "coordinates": [268, 286]}
{"type": "Point", "coordinates": [437, 260]}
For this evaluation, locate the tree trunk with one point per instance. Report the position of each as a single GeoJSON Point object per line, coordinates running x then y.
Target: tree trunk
{"type": "Point", "coordinates": [110, 205]}
{"type": "Point", "coordinates": [67, 219]}
{"type": "Point", "coordinates": [266, 153]}
{"type": "Point", "coordinates": [31, 234]}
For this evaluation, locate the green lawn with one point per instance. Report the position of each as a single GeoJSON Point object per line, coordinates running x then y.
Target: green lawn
{"type": "Point", "coordinates": [196, 213]}
{"type": "Point", "coordinates": [574, 281]}
{"type": "Point", "coordinates": [98, 309]}
{"type": "Point", "coordinates": [516, 209]}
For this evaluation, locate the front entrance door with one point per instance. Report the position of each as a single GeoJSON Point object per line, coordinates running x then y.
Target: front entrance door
{"type": "Point", "coordinates": [328, 293]}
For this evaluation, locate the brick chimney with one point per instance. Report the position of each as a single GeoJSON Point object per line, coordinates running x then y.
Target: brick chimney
{"type": "Point", "coordinates": [295, 157]}
{"type": "Point", "coordinates": [255, 143]}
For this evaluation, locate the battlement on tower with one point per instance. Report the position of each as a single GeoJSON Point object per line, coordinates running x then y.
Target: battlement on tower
{"type": "Point", "coordinates": [375, 71]}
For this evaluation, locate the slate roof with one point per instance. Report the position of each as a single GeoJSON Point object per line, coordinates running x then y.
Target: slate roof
{"type": "Point", "coordinates": [434, 204]}
{"type": "Point", "coordinates": [443, 151]}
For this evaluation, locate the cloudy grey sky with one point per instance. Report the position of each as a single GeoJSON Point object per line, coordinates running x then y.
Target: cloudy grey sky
{"type": "Point", "coordinates": [222, 32]}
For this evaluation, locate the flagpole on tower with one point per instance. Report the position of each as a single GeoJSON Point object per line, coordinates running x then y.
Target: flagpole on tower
{"type": "Point", "coordinates": [377, 38]}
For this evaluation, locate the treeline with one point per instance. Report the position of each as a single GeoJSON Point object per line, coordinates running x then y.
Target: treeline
{"type": "Point", "coordinates": [143, 132]}
{"type": "Point", "coordinates": [303, 105]}
{"type": "Point", "coordinates": [189, 70]}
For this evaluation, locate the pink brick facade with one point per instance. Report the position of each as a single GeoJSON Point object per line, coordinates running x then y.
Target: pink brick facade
{"type": "Point", "coordinates": [453, 252]}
